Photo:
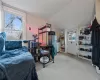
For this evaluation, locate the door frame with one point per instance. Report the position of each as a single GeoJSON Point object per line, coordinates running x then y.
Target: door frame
{"type": "Point", "coordinates": [76, 41]}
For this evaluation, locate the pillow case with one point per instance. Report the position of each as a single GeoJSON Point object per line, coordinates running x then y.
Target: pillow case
{"type": "Point", "coordinates": [11, 45]}
{"type": "Point", "coordinates": [3, 35]}
{"type": "Point", "coordinates": [1, 44]}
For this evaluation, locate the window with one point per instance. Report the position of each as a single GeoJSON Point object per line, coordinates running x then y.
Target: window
{"type": "Point", "coordinates": [13, 26]}
{"type": "Point", "coordinates": [71, 36]}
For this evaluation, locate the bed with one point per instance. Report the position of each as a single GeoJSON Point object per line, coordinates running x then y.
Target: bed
{"type": "Point", "coordinates": [16, 63]}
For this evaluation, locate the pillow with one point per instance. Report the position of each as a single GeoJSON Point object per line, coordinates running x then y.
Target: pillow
{"type": "Point", "coordinates": [11, 45]}
{"type": "Point", "coordinates": [1, 44]}
{"type": "Point", "coordinates": [3, 35]}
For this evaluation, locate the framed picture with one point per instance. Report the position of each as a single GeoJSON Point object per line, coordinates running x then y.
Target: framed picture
{"type": "Point", "coordinates": [71, 36]}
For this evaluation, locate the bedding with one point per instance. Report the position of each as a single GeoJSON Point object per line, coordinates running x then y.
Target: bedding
{"type": "Point", "coordinates": [3, 35]}
{"type": "Point", "coordinates": [1, 44]}
{"type": "Point", "coordinates": [11, 45]}
{"type": "Point", "coordinates": [17, 64]}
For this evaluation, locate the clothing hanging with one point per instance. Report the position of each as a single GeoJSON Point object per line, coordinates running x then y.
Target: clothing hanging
{"type": "Point", "coordinates": [95, 41]}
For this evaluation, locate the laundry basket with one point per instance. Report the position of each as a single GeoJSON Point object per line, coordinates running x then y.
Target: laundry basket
{"type": "Point", "coordinates": [44, 57]}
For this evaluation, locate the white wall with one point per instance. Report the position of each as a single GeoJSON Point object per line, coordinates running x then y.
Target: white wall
{"type": "Point", "coordinates": [1, 18]}
{"type": "Point", "coordinates": [98, 10]}
{"type": "Point", "coordinates": [76, 13]}
{"type": "Point", "coordinates": [57, 30]}
{"type": "Point", "coordinates": [17, 12]}
{"type": "Point", "coordinates": [29, 21]}
{"type": "Point", "coordinates": [0, 14]}
{"type": "Point", "coordinates": [66, 40]}
{"type": "Point", "coordinates": [64, 13]}
{"type": "Point", "coordinates": [34, 22]}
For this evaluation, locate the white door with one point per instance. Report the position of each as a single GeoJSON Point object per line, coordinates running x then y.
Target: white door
{"type": "Point", "coordinates": [72, 42]}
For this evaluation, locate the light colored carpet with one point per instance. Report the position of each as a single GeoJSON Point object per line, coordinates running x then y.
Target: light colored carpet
{"type": "Point", "coordinates": [67, 68]}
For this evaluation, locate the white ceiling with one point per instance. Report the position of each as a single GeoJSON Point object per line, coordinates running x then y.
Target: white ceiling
{"type": "Point", "coordinates": [77, 13]}
{"type": "Point", "coordinates": [61, 13]}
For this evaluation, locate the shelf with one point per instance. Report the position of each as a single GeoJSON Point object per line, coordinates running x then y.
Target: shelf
{"type": "Point", "coordinates": [43, 32]}
{"type": "Point", "coordinates": [44, 27]}
{"type": "Point", "coordinates": [84, 40]}
{"type": "Point", "coordinates": [85, 45]}
{"type": "Point", "coordinates": [82, 57]}
{"type": "Point", "coordinates": [85, 51]}
{"type": "Point", "coordinates": [86, 35]}
{"type": "Point", "coordinates": [85, 54]}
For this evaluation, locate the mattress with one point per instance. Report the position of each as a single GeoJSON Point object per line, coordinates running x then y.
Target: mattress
{"type": "Point", "coordinates": [17, 64]}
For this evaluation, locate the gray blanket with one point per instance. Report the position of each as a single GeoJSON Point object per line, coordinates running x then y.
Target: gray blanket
{"type": "Point", "coordinates": [17, 64]}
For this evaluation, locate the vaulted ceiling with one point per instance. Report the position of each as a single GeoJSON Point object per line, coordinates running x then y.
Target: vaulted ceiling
{"type": "Point", "coordinates": [61, 13]}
